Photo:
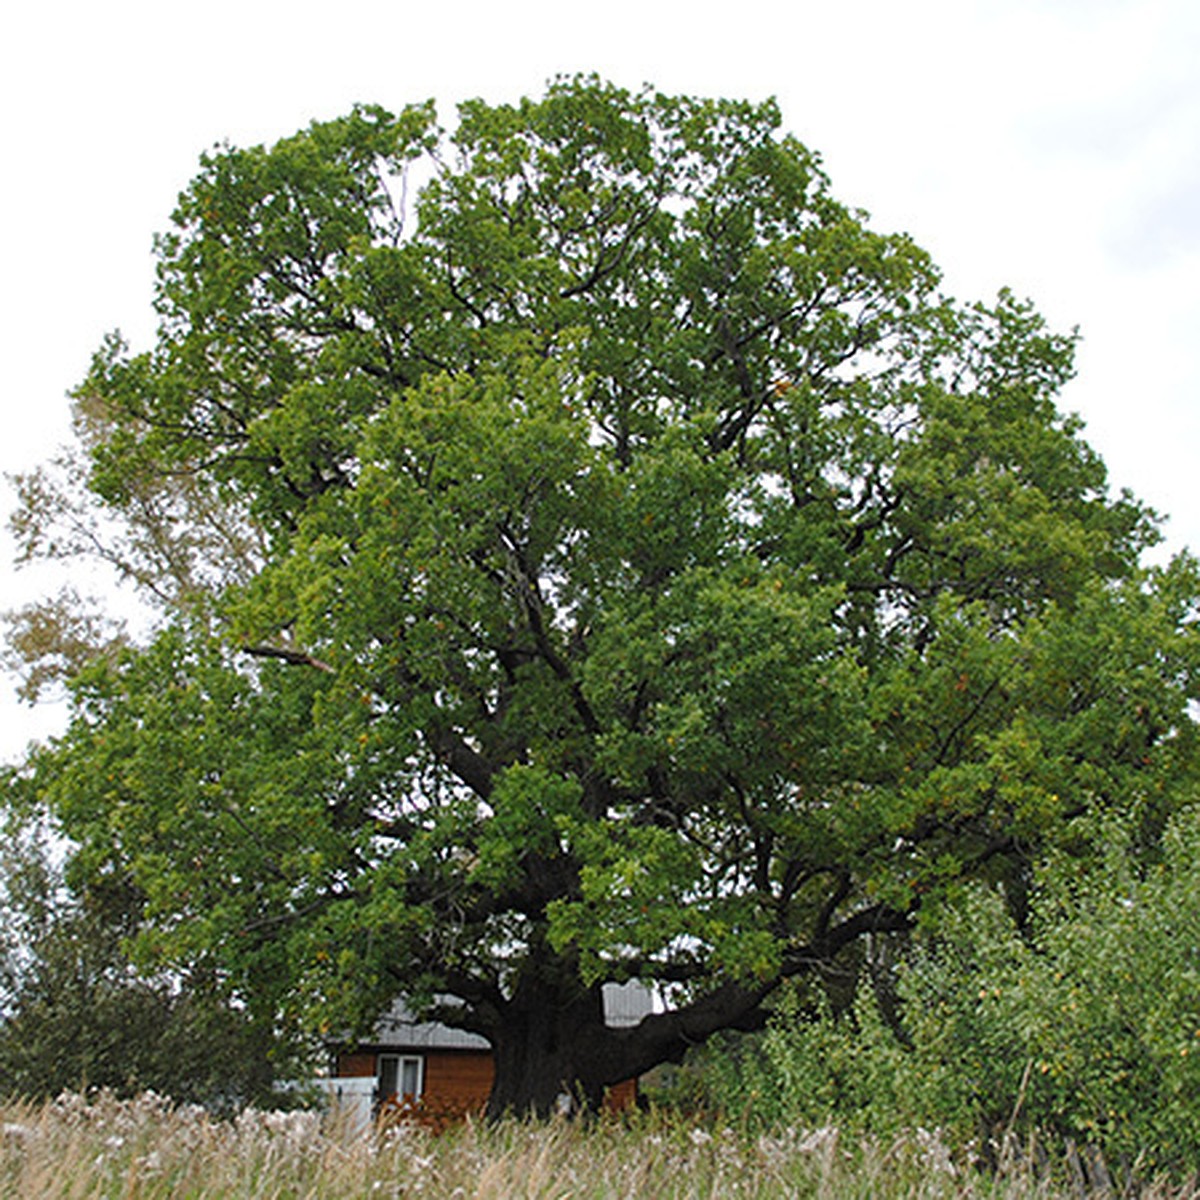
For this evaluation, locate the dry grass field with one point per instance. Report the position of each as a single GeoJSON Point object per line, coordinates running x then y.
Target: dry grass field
{"type": "Point", "coordinates": [146, 1149]}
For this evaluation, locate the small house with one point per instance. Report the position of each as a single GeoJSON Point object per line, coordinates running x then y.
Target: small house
{"type": "Point", "coordinates": [439, 1073]}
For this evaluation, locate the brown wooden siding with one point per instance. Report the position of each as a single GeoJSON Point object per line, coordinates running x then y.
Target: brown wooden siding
{"type": "Point", "coordinates": [356, 1066]}
{"type": "Point", "coordinates": [621, 1096]}
{"type": "Point", "coordinates": [457, 1084]}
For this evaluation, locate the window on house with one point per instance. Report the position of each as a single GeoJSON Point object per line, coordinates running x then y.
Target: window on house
{"type": "Point", "coordinates": [401, 1075]}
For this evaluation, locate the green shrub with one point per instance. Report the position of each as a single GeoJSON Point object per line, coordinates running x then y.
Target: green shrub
{"type": "Point", "coordinates": [1084, 1027]}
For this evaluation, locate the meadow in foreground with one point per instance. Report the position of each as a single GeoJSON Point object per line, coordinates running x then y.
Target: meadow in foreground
{"type": "Point", "coordinates": [98, 1146]}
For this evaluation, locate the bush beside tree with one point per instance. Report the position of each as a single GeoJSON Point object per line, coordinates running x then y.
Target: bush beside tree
{"type": "Point", "coordinates": [1082, 1027]}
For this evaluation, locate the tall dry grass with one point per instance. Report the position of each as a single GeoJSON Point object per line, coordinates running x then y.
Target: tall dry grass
{"type": "Point", "coordinates": [146, 1149]}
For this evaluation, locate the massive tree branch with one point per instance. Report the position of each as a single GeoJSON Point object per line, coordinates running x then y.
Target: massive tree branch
{"type": "Point", "coordinates": [295, 658]}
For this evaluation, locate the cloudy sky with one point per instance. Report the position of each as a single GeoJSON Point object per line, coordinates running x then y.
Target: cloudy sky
{"type": "Point", "coordinates": [1051, 145]}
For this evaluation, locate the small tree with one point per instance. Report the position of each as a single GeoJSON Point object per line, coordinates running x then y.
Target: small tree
{"type": "Point", "coordinates": [624, 564]}
{"type": "Point", "coordinates": [77, 1010]}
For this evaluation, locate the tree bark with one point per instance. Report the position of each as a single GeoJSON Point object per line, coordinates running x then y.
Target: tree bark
{"type": "Point", "coordinates": [548, 1051]}
{"type": "Point", "coordinates": [554, 1052]}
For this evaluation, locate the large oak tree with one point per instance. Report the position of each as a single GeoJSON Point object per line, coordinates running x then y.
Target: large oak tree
{"type": "Point", "coordinates": [586, 550]}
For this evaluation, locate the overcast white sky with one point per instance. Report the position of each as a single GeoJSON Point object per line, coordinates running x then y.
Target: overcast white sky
{"type": "Point", "coordinates": [1051, 145]}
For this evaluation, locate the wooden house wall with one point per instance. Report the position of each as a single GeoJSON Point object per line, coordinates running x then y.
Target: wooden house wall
{"type": "Point", "coordinates": [356, 1066]}
{"type": "Point", "coordinates": [457, 1082]}
{"type": "Point", "coordinates": [621, 1096]}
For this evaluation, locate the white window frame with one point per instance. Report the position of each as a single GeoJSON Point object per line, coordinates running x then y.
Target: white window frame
{"type": "Point", "coordinates": [399, 1063]}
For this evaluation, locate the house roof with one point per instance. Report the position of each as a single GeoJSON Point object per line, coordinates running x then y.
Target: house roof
{"type": "Point", "coordinates": [625, 1004]}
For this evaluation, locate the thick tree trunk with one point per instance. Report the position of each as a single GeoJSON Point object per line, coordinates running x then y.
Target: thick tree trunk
{"type": "Point", "coordinates": [548, 1052]}
{"type": "Point", "coordinates": [553, 1051]}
